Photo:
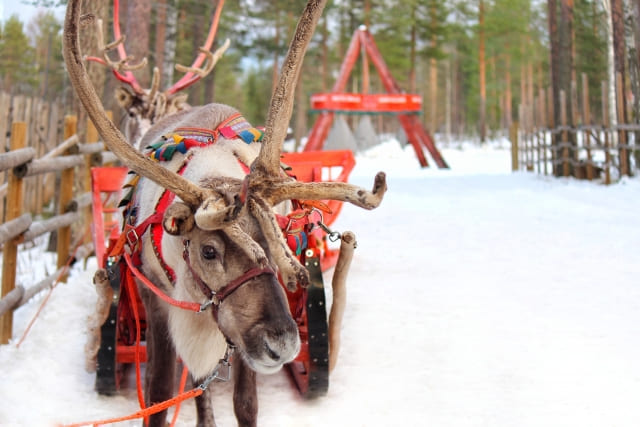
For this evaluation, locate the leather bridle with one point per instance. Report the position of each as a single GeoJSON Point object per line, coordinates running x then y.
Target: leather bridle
{"type": "Point", "coordinates": [215, 298]}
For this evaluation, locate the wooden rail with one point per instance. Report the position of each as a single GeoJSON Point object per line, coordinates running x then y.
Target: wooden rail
{"type": "Point", "coordinates": [70, 161]}
{"type": "Point", "coordinates": [577, 146]}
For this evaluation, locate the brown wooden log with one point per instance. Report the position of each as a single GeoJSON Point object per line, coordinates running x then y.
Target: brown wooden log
{"type": "Point", "coordinates": [66, 145]}
{"type": "Point", "coordinates": [565, 134]}
{"type": "Point", "coordinates": [605, 124]}
{"type": "Point", "coordinates": [39, 228]}
{"type": "Point", "coordinates": [15, 158]}
{"type": "Point", "coordinates": [12, 300]}
{"type": "Point", "coordinates": [66, 195]}
{"type": "Point", "coordinates": [15, 198]}
{"type": "Point", "coordinates": [82, 253]}
{"type": "Point", "coordinates": [40, 163]}
{"type": "Point", "coordinates": [544, 122]}
{"type": "Point", "coordinates": [57, 164]}
{"type": "Point", "coordinates": [575, 156]}
{"type": "Point", "coordinates": [586, 119]}
{"type": "Point", "coordinates": [339, 286]}
{"type": "Point", "coordinates": [12, 229]}
{"type": "Point", "coordinates": [28, 103]}
{"type": "Point", "coordinates": [5, 105]}
{"type": "Point", "coordinates": [622, 135]}
{"type": "Point", "coordinates": [90, 148]}
{"type": "Point", "coordinates": [80, 202]}
{"type": "Point", "coordinates": [107, 158]}
{"type": "Point", "coordinates": [40, 126]}
{"type": "Point", "coordinates": [513, 137]}
{"type": "Point", "coordinates": [52, 138]}
{"type": "Point", "coordinates": [536, 129]}
{"type": "Point", "coordinates": [48, 179]}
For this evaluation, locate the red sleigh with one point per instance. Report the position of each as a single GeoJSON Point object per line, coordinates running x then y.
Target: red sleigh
{"type": "Point", "coordinates": [118, 334]}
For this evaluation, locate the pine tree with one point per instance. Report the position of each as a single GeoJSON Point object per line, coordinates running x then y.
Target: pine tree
{"type": "Point", "coordinates": [46, 32]}
{"type": "Point", "coordinates": [590, 48]}
{"type": "Point", "coordinates": [17, 68]}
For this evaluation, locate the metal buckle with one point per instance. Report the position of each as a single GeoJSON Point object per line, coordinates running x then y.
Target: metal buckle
{"type": "Point", "coordinates": [213, 301]}
{"type": "Point", "coordinates": [222, 371]}
{"type": "Point", "coordinates": [132, 237]}
{"type": "Point", "coordinates": [333, 235]}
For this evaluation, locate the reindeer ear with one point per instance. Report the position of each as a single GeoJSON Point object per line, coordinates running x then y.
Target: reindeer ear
{"type": "Point", "coordinates": [124, 97]}
{"type": "Point", "coordinates": [178, 219]}
{"type": "Point", "coordinates": [177, 102]}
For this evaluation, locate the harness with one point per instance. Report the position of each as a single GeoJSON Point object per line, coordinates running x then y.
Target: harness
{"type": "Point", "coordinates": [296, 226]}
{"type": "Point", "coordinates": [181, 141]}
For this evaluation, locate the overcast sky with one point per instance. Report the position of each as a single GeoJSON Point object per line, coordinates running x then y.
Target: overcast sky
{"type": "Point", "coordinates": [24, 11]}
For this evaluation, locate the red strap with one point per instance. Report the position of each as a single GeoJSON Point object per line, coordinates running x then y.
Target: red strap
{"type": "Point", "coordinates": [193, 306]}
{"type": "Point", "coordinates": [143, 413]}
{"type": "Point", "coordinates": [131, 290]}
{"type": "Point", "coordinates": [132, 234]}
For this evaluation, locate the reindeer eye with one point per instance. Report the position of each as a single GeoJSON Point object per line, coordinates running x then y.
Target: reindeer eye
{"type": "Point", "coordinates": [208, 252]}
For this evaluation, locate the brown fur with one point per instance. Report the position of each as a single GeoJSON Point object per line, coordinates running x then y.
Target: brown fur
{"type": "Point", "coordinates": [217, 228]}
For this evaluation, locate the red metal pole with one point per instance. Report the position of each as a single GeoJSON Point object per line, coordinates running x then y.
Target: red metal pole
{"type": "Point", "coordinates": [415, 131]}
{"type": "Point", "coordinates": [347, 65]}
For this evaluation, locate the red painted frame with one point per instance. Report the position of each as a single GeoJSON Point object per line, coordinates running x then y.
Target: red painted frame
{"type": "Point", "coordinates": [107, 185]}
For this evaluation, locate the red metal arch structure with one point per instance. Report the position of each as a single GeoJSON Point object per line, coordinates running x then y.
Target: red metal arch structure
{"type": "Point", "coordinates": [405, 106]}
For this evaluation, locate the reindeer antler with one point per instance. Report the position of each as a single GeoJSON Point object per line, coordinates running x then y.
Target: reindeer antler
{"type": "Point", "coordinates": [187, 191]}
{"type": "Point", "coordinates": [265, 186]}
{"type": "Point", "coordinates": [281, 106]}
{"type": "Point", "coordinates": [265, 179]}
{"type": "Point", "coordinates": [122, 69]}
{"type": "Point", "coordinates": [195, 72]}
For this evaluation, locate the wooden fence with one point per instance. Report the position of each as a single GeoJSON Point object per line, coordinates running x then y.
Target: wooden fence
{"type": "Point", "coordinates": [44, 131]}
{"type": "Point", "coordinates": [577, 146]}
{"type": "Point", "coordinates": [69, 162]}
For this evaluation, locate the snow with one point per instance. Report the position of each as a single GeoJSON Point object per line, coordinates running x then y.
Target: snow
{"type": "Point", "coordinates": [476, 297]}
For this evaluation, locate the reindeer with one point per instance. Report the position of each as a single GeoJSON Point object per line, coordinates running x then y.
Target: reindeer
{"type": "Point", "coordinates": [144, 107]}
{"type": "Point", "coordinates": [219, 235]}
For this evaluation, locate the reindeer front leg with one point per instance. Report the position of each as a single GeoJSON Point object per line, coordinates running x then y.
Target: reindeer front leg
{"type": "Point", "coordinates": [204, 407]}
{"type": "Point", "coordinates": [245, 398]}
{"type": "Point", "coordinates": [161, 357]}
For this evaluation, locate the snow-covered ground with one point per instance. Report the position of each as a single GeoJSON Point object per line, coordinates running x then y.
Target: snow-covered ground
{"type": "Point", "coordinates": [477, 297]}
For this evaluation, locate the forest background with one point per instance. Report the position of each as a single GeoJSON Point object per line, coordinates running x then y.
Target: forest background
{"type": "Point", "coordinates": [473, 62]}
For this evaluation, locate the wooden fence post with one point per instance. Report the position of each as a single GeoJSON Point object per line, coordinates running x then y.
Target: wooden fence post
{"type": "Point", "coordinates": [535, 109]}
{"type": "Point", "coordinates": [513, 137]}
{"type": "Point", "coordinates": [551, 124]}
{"type": "Point", "coordinates": [586, 120]}
{"type": "Point", "coordinates": [543, 128]}
{"type": "Point", "coordinates": [15, 197]}
{"type": "Point", "coordinates": [605, 125]}
{"type": "Point", "coordinates": [66, 194]}
{"type": "Point", "coordinates": [565, 134]}
{"type": "Point", "coordinates": [92, 137]}
{"type": "Point", "coordinates": [623, 153]}
{"type": "Point", "coordinates": [575, 155]}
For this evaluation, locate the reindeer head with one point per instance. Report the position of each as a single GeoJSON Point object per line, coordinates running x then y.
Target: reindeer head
{"type": "Point", "coordinates": [222, 216]}
{"type": "Point", "coordinates": [255, 314]}
{"type": "Point", "coordinates": [144, 107]}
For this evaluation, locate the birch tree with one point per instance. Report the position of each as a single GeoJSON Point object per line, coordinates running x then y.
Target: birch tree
{"type": "Point", "coordinates": [611, 69]}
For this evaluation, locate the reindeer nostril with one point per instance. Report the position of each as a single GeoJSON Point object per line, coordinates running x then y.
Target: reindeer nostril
{"type": "Point", "coordinates": [272, 354]}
